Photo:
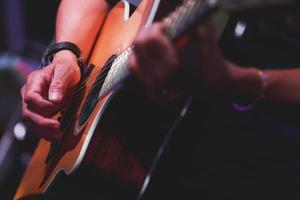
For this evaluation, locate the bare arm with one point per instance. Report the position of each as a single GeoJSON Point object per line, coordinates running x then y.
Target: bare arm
{"type": "Point", "coordinates": [78, 21]}
{"type": "Point", "coordinates": [282, 86]}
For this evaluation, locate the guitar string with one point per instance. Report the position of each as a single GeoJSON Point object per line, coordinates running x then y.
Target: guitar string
{"type": "Point", "coordinates": [92, 77]}
{"type": "Point", "coordinates": [100, 79]}
{"type": "Point", "coordinates": [80, 87]}
{"type": "Point", "coordinates": [173, 19]}
{"type": "Point", "coordinates": [169, 21]}
{"type": "Point", "coordinates": [68, 123]}
{"type": "Point", "coordinates": [190, 5]}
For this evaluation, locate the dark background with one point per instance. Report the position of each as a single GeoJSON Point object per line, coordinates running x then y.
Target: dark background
{"type": "Point", "coordinates": [38, 21]}
{"type": "Point", "coordinates": [26, 28]}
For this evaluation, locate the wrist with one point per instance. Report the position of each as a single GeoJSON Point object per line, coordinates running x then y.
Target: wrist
{"type": "Point", "coordinates": [233, 75]}
{"type": "Point", "coordinates": [63, 51]}
{"type": "Point", "coordinates": [246, 79]}
{"type": "Point", "coordinates": [253, 83]}
{"type": "Point", "coordinates": [64, 55]}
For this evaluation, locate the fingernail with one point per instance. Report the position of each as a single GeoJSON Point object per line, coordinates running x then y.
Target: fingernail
{"type": "Point", "coordinates": [55, 96]}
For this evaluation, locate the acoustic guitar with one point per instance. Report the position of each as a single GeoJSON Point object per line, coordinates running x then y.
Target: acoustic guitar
{"type": "Point", "coordinates": [81, 117]}
{"type": "Point", "coordinates": [89, 121]}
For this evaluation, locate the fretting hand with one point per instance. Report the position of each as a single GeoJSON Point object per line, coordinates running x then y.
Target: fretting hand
{"type": "Point", "coordinates": [156, 61]}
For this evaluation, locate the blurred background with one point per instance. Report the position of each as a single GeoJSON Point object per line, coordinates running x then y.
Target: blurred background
{"type": "Point", "coordinates": [26, 28]}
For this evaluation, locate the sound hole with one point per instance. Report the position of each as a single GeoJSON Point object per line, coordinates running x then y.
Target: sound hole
{"type": "Point", "coordinates": [93, 96]}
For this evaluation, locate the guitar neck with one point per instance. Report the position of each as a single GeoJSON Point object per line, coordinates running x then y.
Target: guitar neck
{"type": "Point", "coordinates": [194, 11]}
{"type": "Point", "coordinates": [233, 5]}
{"type": "Point", "coordinates": [178, 22]}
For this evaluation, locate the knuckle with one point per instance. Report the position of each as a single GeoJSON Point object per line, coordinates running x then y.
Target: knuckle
{"type": "Point", "coordinates": [33, 74]}
{"type": "Point", "coordinates": [139, 42]}
{"type": "Point", "coordinates": [28, 98]}
{"type": "Point", "coordinates": [44, 74]}
{"type": "Point", "coordinates": [157, 29]}
{"type": "Point", "coordinates": [42, 123]}
{"type": "Point", "coordinates": [57, 85]}
{"type": "Point", "coordinates": [146, 38]}
{"type": "Point", "coordinates": [132, 62]}
{"type": "Point", "coordinates": [143, 43]}
{"type": "Point", "coordinates": [47, 70]}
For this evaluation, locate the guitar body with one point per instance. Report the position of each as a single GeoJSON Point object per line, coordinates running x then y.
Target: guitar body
{"type": "Point", "coordinates": [117, 129]}
{"type": "Point", "coordinates": [117, 34]}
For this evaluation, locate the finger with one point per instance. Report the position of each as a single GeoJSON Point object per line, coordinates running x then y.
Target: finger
{"type": "Point", "coordinates": [142, 73]}
{"type": "Point", "coordinates": [145, 69]}
{"type": "Point", "coordinates": [63, 79]}
{"type": "Point", "coordinates": [34, 91]}
{"type": "Point", "coordinates": [43, 127]}
{"type": "Point", "coordinates": [205, 37]}
{"type": "Point", "coordinates": [38, 81]}
{"type": "Point", "coordinates": [47, 134]}
{"type": "Point", "coordinates": [157, 59]}
{"type": "Point", "coordinates": [41, 105]}
{"type": "Point", "coordinates": [160, 47]}
{"type": "Point", "coordinates": [154, 59]}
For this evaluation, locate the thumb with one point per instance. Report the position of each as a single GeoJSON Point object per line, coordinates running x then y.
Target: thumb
{"type": "Point", "coordinates": [59, 84]}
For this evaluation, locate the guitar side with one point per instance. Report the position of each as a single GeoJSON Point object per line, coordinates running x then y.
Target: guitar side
{"type": "Point", "coordinates": [41, 172]}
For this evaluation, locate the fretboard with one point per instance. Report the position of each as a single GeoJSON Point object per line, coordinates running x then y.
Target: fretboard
{"type": "Point", "coordinates": [179, 21]}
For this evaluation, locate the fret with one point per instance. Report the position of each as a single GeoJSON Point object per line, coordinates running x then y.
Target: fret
{"type": "Point", "coordinates": [182, 17]}
{"type": "Point", "coordinates": [171, 24]}
{"type": "Point", "coordinates": [118, 72]}
{"type": "Point", "coordinates": [181, 13]}
{"type": "Point", "coordinates": [174, 17]}
{"type": "Point", "coordinates": [191, 10]}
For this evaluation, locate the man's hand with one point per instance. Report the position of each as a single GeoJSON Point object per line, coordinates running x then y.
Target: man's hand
{"type": "Point", "coordinates": [156, 60]}
{"type": "Point", "coordinates": [212, 68]}
{"type": "Point", "coordinates": [46, 92]}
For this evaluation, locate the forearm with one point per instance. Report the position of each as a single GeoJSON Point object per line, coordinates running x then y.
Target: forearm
{"type": "Point", "coordinates": [282, 86]}
{"type": "Point", "coordinates": [78, 21]}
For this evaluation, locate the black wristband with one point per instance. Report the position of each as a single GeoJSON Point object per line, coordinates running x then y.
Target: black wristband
{"type": "Point", "coordinates": [56, 47]}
